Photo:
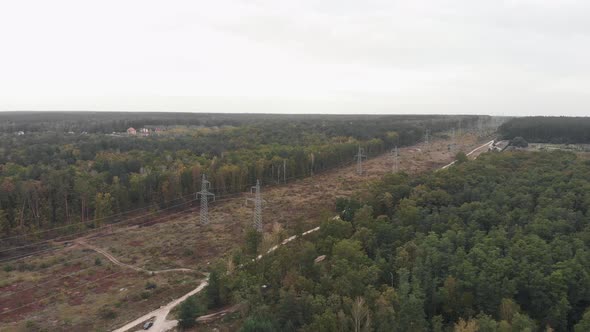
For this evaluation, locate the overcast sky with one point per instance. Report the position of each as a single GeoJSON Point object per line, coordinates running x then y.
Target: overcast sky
{"type": "Point", "coordinates": [518, 57]}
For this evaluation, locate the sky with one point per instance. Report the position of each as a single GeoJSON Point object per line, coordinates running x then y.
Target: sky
{"type": "Point", "coordinates": [519, 57]}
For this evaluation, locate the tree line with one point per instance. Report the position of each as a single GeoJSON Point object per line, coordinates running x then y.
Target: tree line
{"type": "Point", "coordinates": [541, 129]}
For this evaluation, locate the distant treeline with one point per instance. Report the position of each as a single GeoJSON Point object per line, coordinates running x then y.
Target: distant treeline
{"type": "Point", "coordinates": [49, 177]}
{"type": "Point", "coordinates": [108, 122]}
{"type": "Point", "coordinates": [559, 130]}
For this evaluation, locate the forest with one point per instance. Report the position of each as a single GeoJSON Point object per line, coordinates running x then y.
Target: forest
{"type": "Point", "coordinates": [545, 129]}
{"type": "Point", "coordinates": [501, 243]}
{"type": "Point", "coordinates": [73, 171]}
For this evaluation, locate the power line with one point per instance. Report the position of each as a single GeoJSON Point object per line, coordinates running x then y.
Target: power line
{"type": "Point", "coordinates": [138, 217]}
{"type": "Point", "coordinates": [241, 187]}
{"type": "Point", "coordinates": [26, 255]}
{"type": "Point", "coordinates": [92, 230]}
{"type": "Point", "coordinates": [92, 220]}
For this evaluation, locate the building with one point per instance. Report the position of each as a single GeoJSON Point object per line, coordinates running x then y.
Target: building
{"type": "Point", "coordinates": [144, 131]}
{"type": "Point", "coordinates": [131, 131]}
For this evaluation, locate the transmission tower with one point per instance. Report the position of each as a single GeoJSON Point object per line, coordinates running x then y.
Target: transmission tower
{"type": "Point", "coordinates": [427, 137]}
{"type": "Point", "coordinates": [359, 160]}
{"type": "Point", "coordinates": [257, 206]}
{"type": "Point", "coordinates": [453, 141]}
{"type": "Point", "coordinates": [480, 126]}
{"type": "Point", "coordinates": [395, 157]}
{"type": "Point", "coordinates": [204, 215]}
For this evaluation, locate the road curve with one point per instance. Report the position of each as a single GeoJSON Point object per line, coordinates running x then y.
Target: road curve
{"type": "Point", "coordinates": [160, 314]}
{"type": "Point", "coordinates": [160, 322]}
{"type": "Point", "coordinates": [117, 262]}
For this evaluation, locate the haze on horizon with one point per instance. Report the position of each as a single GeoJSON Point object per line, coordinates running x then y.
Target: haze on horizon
{"type": "Point", "coordinates": [519, 57]}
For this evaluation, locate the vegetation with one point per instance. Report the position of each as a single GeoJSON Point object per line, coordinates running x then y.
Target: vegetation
{"type": "Point", "coordinates": [67, 172]}
{"type": "Point", "coordinates": [559, 130]}
{"type": "Point", "coordinates": [188, 313]}
{"type": "Point", "coordinates": [501, 243]}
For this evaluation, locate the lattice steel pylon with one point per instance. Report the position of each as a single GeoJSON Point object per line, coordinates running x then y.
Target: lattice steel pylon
{"type": "Point", "coordinates": [453, 144]}
{"type": "Point", "coordinates": [257, 206]}
{"type": "Point", "coordinates": [427, 137]}
{"type": "Point", "coordinates": [359, 160]}
{"type": "Point", "coordinates": [395, 157]}
{"type": "Point", "coordinates": [204, 214]}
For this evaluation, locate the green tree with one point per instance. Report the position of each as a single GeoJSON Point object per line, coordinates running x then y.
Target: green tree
{"type": "Point", "coordinates": [461, 157]}
{"type": "Point", "coordinates": [188, 313]}
{"type": "Point", "coordinates": [4, 223]}
{"type": "Point", "coordinates": [584, 324]}
{"type": "Point", "coordinates": [213, 293]}
{"type": "Point", "coordinates": [253, 241]}
{"type": "Point", "coordinates": [257, 325]}
{"type": "Point", "coordinates": [519, 142]}
{"type": "Point", "coordinates": [103, 208]}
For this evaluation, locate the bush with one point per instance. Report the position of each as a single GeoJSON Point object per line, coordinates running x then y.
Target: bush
{"type": "Point", "coordinates": [107, 313]}
{"type": "Point", "coordinates": [257, 325]}
{"type": "Point", "coordinates": [97, 262]}
{"type": "Point", "coordinates": [519, 142]}
{"type": "Point", "coordinates": [461, 157]}
{"type": "Point", "coordinates": [188, 313]}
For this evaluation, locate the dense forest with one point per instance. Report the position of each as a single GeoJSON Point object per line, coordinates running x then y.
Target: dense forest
{"type": "Point", "coordinates": [540, 129]}
{"type": "Point", "coordinates": [497, 244]}
{"type": "Point", "coordinates": [79, 169]}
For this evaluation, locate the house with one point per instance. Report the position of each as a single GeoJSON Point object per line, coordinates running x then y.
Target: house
{"type": "Point", "coordinates": [20, 133]}
{"type": "Point", "coordinates": [131, 131]}
{"type": "Point", "coordinates": [144, 131]}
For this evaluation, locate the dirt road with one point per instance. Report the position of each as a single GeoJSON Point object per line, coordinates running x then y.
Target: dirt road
{"type": "Point", "coordinates": [158, 316]}
{"type": "Point", "coordinates": [412, 161]}
{"type": "Point", "coordinates": [117, 262]}
{"type": "Point", "coordinates": [475, 152]}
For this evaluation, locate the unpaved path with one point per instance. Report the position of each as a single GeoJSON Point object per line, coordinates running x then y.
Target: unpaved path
{"type": "Point", "coordinates": [117, 262]}
{"type": "Point", "coordinates": [159, 315]}
{"type": "Point", "coordinates": [376, 168]}
{"type": "Point", "coordinates": [219, 314]}
{"type": "Point", "coordinates": [475, 152]}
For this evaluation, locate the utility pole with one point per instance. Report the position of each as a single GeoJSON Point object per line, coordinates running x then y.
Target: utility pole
{"type": "Point", "coordinates": [395, 157]}
{"type": "Point", "coordinates": [257, 206]}
{"type": "Point", "coordinates": [359, 160]}
{"type": "Point", "coordinates": [480, 126]}
{"type": "Point", "coordinates": [453, 141]}
{"type": "Point", "coordinates": [204, 215]}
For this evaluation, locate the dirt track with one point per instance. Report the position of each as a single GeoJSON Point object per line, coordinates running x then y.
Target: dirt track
{"type": "Point", "coordinates": [322, 190]}
{"type": "Point", "coordinates": [180, 243]}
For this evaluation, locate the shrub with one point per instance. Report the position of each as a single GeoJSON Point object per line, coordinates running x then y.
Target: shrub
{"type": "Point", "coordinates": [107, 313]}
